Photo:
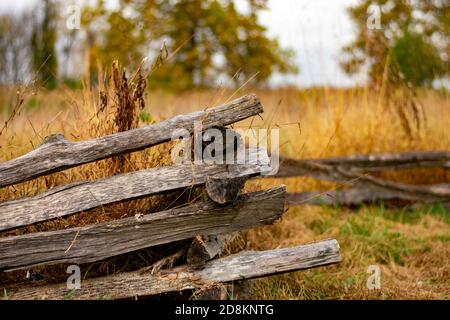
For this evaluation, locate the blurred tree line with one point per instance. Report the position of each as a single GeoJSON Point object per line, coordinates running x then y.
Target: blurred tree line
{"type": "Point", "coordinates": [207, 40]}
{"type": "Point", "coordinates": [410, 46]}
{"type": "Point", "coordinates": [203, 38]}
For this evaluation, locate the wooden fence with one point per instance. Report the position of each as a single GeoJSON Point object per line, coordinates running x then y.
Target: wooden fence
{"type": "Point", "coordinates": [358, 186]}
{"type": "Point", "coordinates": [209, 223]}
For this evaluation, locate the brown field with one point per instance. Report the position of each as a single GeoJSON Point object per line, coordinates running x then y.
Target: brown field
{"type": "Point", "coordinates": [411, 245]}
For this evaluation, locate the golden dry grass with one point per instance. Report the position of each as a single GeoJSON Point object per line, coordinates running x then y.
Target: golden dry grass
{"type": "Point", "coordinates": [410, 245]}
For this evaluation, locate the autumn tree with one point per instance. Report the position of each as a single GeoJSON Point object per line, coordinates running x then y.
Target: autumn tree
{"type": "Point", "coordinates": [113, 35]}
{"type": "Point", "coordinates": [204, 38]}
{"type": "Point", "coordinates": [409, 45]}
{"type": "Point", "coordinates": [416, 60]}
{"type": "Point", "coordinates": [43, 44]}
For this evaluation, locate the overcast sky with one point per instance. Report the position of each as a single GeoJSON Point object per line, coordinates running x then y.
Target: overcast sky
{"type": "Point", "coordinates": [315, 29]}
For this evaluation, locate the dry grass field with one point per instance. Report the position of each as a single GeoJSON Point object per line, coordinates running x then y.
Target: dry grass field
{"type": "Point", "coordinates": [410, 245]}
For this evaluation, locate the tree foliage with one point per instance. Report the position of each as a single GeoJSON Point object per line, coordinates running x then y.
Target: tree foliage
{"type": "Point", "coordinates": [411, 45]}
{"type": "Point", "coordinates": [416, 60]}
{"type": "Point", "coordinates": [205, 40]}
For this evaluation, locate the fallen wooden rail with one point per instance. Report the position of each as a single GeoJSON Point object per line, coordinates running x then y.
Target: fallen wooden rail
{"type": "Point", "coordinates": [352, 177]}
{"type": "Point", "coordinates": [378, 162]}
{"type": "Point", "coordinates": [243, 265]}
{"type": "Point", "coordinates": [85, 195]}
{"type": "Point", "coordinates": [352, 196]}
{"type": "Point", "coordinates": [103, 240]}
{"type": "Point", "coordinates": [56, 153]}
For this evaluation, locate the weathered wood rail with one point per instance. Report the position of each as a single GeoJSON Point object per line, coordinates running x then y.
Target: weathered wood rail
{"type": "Point", "coordinates": [56, 153]}
{"type": "Point", "coordinates": [352, 196]}
{"type": "Point", "coordinates": [103, 240]}
{"type": "Point", "coordinates": [243, 265]}
{"type": "Point", "coordinates": [354, 172]}
{"type": "Point", "coordinates": [85, 195]}
{"type": "Point", "coordinates": [390, 161]}
{"type": "Point", "coordinates": [210, 223]}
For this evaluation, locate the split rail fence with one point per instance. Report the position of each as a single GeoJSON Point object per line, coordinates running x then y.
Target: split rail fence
{"type": "Point", "coordinates": [210, 224]}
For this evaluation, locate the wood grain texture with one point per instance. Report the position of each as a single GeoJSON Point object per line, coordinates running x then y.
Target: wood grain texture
{"type": "Point", "coordinates": [99, 241]}
{"type": "Point", "coordinates": [56, 153]}
{"type": "Point", "coordinates": [85, 195]}
{"type": "Point", "coordinates": [354, 177]}
{"type": "Point", "coordinates": [352, 196]}
{"type": "Point", "coordinates": [244, 265]}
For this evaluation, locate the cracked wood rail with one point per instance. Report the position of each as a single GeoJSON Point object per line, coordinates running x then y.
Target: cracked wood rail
{"type": "Point", "coordinates": [99, 241]}
{"type": "Point", "coordinates": [243, 265]}
{"type": "Point", "coordinates": [56, 153]}
{"type": "Point", "coordinates": [85, 195]}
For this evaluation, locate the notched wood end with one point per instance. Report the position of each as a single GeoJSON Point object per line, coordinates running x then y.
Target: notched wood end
{"type": "Point", "coordinates": [224, 191]}
{"type": "Point", "coordinates": [204, 248]}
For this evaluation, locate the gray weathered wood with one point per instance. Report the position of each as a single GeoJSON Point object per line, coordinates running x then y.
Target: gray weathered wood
{"type": "Point", "coordinates": [81, 196]}
{"type": "Point", "coordinates": [99, 241]}
{"type": "Point", "coordinates": [351, 177]}
{"type": "Point", "coordinates": [378, 162]}
{"type": "Point", "coordinates": [206, 247]}
{"type": "Point", "coordinates": [56, 153]}
{"type": "Point", "coordinates": [350, 196]}
{"type": "Point", "coordinates": [244, 265]}
{"type": "Point", "coordinates": [224, 190]}
{"type": "Point", "coordinates": [390, 161]}
{"type": "Point", "coordinates": [227, 144]}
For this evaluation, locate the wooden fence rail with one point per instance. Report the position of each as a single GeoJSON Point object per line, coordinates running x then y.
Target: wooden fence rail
{"type": "Point", "coordinates": [389, 161]}
{"type": "Point", "coordinates": [85, 195]}
{"type": "Point", "coordinates": [352, 196]}
{"type": "Point", "coordinates": [103, 240]}
{"type": "Point", "coordinates": [243, 265]}
{"type": "Point", "coordinates": [56, 153]}
{"type": "Point", "coordinates": [351, 172]}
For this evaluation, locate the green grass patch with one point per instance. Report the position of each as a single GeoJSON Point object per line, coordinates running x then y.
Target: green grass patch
{"type": "Point", "coordinates": [321, 225]}
{"type": "Point", "coordinates": [413, 216]}
{"type": "Point", "coordinates": [376, 238]}
{"type": "Point", "coordinates": [442, 238]}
